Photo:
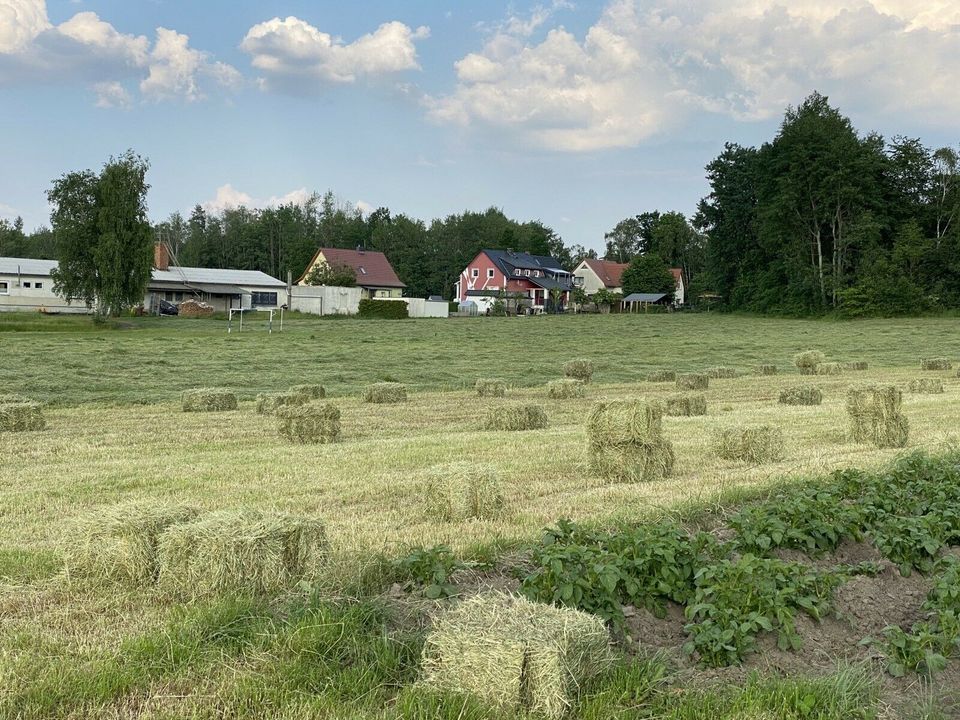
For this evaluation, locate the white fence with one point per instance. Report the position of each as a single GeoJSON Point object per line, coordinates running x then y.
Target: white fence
{"type": "Point", "coordinates": [420, 308]}
{"type": "Point", "coordinates": [325, 299]}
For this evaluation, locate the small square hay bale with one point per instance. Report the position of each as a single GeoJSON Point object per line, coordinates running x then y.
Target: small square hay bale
{"type": "Point", "coordinates": [315, 422]}
{"type": "Point", "coordinates": [856, 365]}
{"type": "Point", "coordinates": [686, 405]}
{"type": "Point", "coordinates": [801, 395]}
{"type": "Point", "coordinates": [693, 381]}
{"type": "Point", "coordinates": [463, 490]}
{"type": "Point", "coordinates": [239, 552]}
{"type": "Point", "coordinates": [518, 656]}
{"type": "Point", "coordinates": [757, 444]}
{"type": "Point", "coordinates": [578, 370]}
{"type": "Point", "coordinates": [939, 363]}
{"type": "Point", "coordinates": [766, 369]}
{"type": "Point", "coordinates": [620, 422]}
{"type": "Point", "coordinates": [721, 373]}
{"type": "Point", "coordinates": [120, 543]}
{"type": "Point", "coordinates": [208, 400]}
{"type": "Point", "coordinates": [516, 417]}
{"type": "Point", "coordinates": [875, 416]}
{"type": "Point", "coordinates": [490, 387]}
{"type": "Point", "coordinates": [860, 413]}
{"type": "Point", "coordinates": [926, 386]}
{"type": "Point", "coordinates": [830, 368]}
{"type": "Point", "coordinates": [662, 376]}
{"type": "Point", "coordinates": [625, 441]}
{"type": "Point", "coordinates": [21, 417]}
{"type": "Point", "coordinates": [632, 463]}
{"type": "Point", "coordinates": [308, 392]}
{"type": "Point", "coordinates": [269, 403]}
{"type": "Point", "coordinates": [385, 393]}
{"type": "Point", "coordinates": [565, 389]}
{"type": "Point", "coordinates": [808, 361]}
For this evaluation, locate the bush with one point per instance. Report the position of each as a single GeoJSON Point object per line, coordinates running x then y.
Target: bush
{"type": "Point", "coordinates": [759, 444]}
{"type": "Point", "coordinates": [516, 417]}
{"type": "Point", "coordinates": [385, 393]}
{"type": "Point", "coordinates": [385, 309]}
{"type": "Point", "coordinates": [578, 370]}
{"type": "Point", "coordinates": [314, 422]}
{"type": "Point", "coordinates": [565, 389]}
{"type": "Point", "coordinates": [208, 400]}
{"type": "Point", "coordinates": [801, 395]}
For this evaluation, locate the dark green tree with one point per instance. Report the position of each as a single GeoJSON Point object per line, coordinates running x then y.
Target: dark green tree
{"type": "Point", "coordinates": [648, 274]}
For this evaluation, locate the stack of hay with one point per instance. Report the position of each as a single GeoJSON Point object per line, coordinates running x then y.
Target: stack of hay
{"type": "Point", "coordinates": [578, 370]}
{"type": "Point", "coordinates": [565, 389]}
{"type": "Point", "coordinates": [313, 422]}
{"type": "Point", "coordinates": [808, 361]}
{"type": "Point", "coordinates": [269, 403]}
{"type": "Point", "coordinates": [875, 416]}
{"type": "Point", "coordinates": [626, 443]}
{"type": "Point", "coordinates": [766, 369]}
{"type": "Point", "coordinates": [208, 400]}
{"type": "Point", "coordinates": [385, 393]}
{"type": "Point", "coordinates": [935, 364]}
{"type": "Point", "coordinates": [926, 386]}
{"type": "Point", "coordinates": [693, 381]}
{"type": "Point", "coordinates": [518, 656]}
{"type": "Point", "coordinates": [720, 373]}
{"type": "Point", "coordinates": [516, 417]}
{"type": "Point", "coordinates": [758, 444]}
{"type": "Point", "coordinates": [20, 414]}
{"type": "Point", "coordinates": [856, 365]}
{"type": "Point", "coordinates": [686, 405]}
{"type": "Point", "coordinates": [801, 395]}
{"type": "Point", "coordinates": [463, 491]}
{"type": "Point", "coordinates": [662, 376]}
{"type": "Point", "coordinates": [194, 309]}
{"type": "Point", "coordinates": [829, 368]}
{"type": "Point", "coordinates": [491, 387]}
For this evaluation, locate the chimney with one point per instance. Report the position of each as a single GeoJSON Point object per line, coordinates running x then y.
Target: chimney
{"type": "Point", "coordinates": [161, 256]}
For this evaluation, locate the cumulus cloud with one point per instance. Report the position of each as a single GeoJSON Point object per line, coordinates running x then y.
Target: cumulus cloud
{"type": "Point", "coordinates": [294, 55]}
{"type": "Point", "coordinates": [228, 196]}
{"type": "Point", "coordinates": [88, 49]}
{"type": "Point", "coordinates": [642, 68]}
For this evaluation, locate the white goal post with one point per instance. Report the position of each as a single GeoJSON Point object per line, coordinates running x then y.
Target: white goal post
{"type": "Point", "coordinates": [241, 311]}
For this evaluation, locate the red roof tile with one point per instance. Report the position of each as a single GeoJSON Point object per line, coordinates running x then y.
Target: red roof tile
{"type": "Point", "coordinates": [372, 268]}
{"type": "Point", "coordinates": [608, 271]}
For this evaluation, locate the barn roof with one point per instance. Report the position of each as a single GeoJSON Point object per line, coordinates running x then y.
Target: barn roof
{"type": "Point", "coordinates": [26, 266]}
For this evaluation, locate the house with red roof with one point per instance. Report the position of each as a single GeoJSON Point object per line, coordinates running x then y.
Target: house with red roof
{"type": "Point", "coordinates": [540, 279]}
{"type": "Point", "coordinates": [374, 274]}
{"type": "Point", "coordinates": [593, 274]}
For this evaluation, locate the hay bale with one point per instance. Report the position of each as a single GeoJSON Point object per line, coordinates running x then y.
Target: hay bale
{"type": "Point", "coordinates": [766, 369]}
{"type": "Point", "coordinates": [757, 444]}
{"type": "Point", "coordinates": [314, 422]}
{"type": "Point", "coordinates": [926, 386]}
{"type": "Point", "coordinates": [940, 363]}
{"type": "Point", "coordinates": [208, 400]}
{"type": "Point", "coordinates": [855, 365]}
{"type": "Point", "coordinates": [120, 543]}
{"type": "Point", "coordinates": [15, 399]}
{"type": "Point", "coordinates": [385, 393]}
{"type": "Point", "coordinates": [808, 361]}
{"type": "Point", "coordinates": [194, 309]}
{"type": "Point", "coordinates": [860, 413]}
{"type": "Point", "coordinates": [21, 417]}
{"type": "Point", "coordinates": [269, 403]}
{"type": "Point", "coordinates": [625, 441]}
{"type": "Point", "coordinates": [686, 405]}
{"type": "Point", "coordinates": [801, 395]}
{"type": "Point", "coordinates": [516, 417]}
{"type": "Point", "coordinates": [490, 387]}
{"type": "Point", "coordinates": [518, 656]}
{"type": "Point", "coordinates": [463, 490]}
{"type": "Point", "coordinates": [721, 373]}
{"type": "Point", "coordinates": [662, 376]}
{"type": "Point", "coordinates": [565, 389]}
{"type": "Point", "coordinates": [875, 416]}
{"type": "Point", "coordinates": [693, 381]}
{"type": "Point", "coordinates": [578, 370]}
{"type": "Point", "coordinates": [239, 552]}
{"type": "Point", "coordinates": [830, 368]}
{"type": "Point", "coordinates": [308, 392]}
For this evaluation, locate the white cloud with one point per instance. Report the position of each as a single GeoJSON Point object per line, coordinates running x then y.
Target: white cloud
{"type": "Point", "coordinates": [7, 212]}
{"type": "Point", "coordinates": [228, 196]}
{"type": "Point", "coordinates": [642, 68]}
{"type": "Point", "coordinates": [88, 49]}
{"type": "Point", "coordinates": [364, 207]}
{"type": "Point", "coordinates": [294, 55]}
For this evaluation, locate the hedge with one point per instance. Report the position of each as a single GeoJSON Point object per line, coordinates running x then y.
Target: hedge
{"type": "Point", "coordinates": [389, 309]}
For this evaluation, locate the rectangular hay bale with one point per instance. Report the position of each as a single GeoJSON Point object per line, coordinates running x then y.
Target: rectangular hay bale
{"type": "Point", "coordinates": [310, 391]}
{"type": "Point", "coordinates": [855, 365]}
{"type": "Point", "coordinates": [462, 491]}
{"type": "Point", "coordinates": [766, 369]}
{"type": "Point", "coordinates": [269, 403]}
{"type": "Point", "coordinates": [926, 386]}
{"type": "Point", "coordinates": [808, 361]}
{"type": "Point", "coordinates": [578, 370]}
{"type": "Point", "coordinates": [686, 405]}
{"type": "Point", "coordinates": [516, 417]}
{"type": "Point", "coordinates": [693, 381]}
{"type": "Point", "coordinates": [658, 376]}
{"type": "Point", "coordinates": [938, 363]}
{"type": "Point", "coordinates": [21, 417]}
{"type": "Point", "coordinates": [721, 373]}
{"type": "Point", "coordinates": [314, 422]}
{"type": "Point", "coordinates": [875, 417]}
{"type": "Point", "coordinates": [565, 389]}
{"type": "Point", "coordinates": [490, 387]}
{"type": "Point", "coordinates": [757, 444]}
{"type": "Point", "coordinates": [801, 395]}
{"type": "Point", "coordinates": [625, 441]}
{"type": "Point", "coordinates": [829, 368]}
{"type": "Point", "coordinates": [385, 393]}
{"type": "Point", "coordinates": [208, 400]}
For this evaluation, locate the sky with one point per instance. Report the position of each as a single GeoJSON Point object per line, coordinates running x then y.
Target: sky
{"type": "Point", "coordinates": [577, 113]}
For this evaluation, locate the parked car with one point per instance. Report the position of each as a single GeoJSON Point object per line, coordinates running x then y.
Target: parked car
{"type": "Point", "coordinates": [168, 308]}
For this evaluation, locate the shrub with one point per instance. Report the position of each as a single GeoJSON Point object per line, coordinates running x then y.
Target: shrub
{"type": "Point", "coordinates": [516, 417]}
{"type": "Point", "coordinates": [385, 393]}
{"type": "Point", "coordinates": [463, 490]}
{"type": "Point", "coordinates": [686, 405]}
{"type": "Point", "coordinates": [314, 422]}
{"type": "Point", "coordinates": [719, 373]}
{"type": "Point", "coordinates": [766, 369]}
{"type": "Point", "coordinates": [662, 376]}
{"type": "Point", "coordinates": [758, 444]}
{"type": "Point", "coordinates": [625, 441]}
{"type": "Point", "coordinates": [208, 400]}
{"type": "Point", "coordinates": [578, 370]}
{"type": "Point", "coordinates": [490, 387]}
{"type": "Point", "coordinates": [830, 368]}
{"type": "Point", "coordinates": [935, 364]}
{"type": "Point", "coordinates": [927, 386]}
{"type": "Point", "coordinates": [808, 361]}
{"type": "Point", "coordinates": [801, 395]}
{"type": "Point", "coordinates": [242, 552]}
{"type": "Point", "coordinates": [516, 655]}
{"type": "Point", "coordinates": [565, 389]}
{"type": "Point", "coordinates": [693, 381]}
{"type": "Point", "coordinates": [385, 309]}
{"type": "Point", "coordinates": [21, 417]}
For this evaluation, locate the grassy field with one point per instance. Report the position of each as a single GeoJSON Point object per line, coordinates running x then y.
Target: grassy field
{"type": "Point", "coordinates": [115, 433]}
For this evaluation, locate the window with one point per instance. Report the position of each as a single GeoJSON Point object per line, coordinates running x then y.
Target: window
{"type": "Point", "coordinates": [490, 272]}
{"type": "Point", "coordinates": [263, 299]}
{"type": "Point", "coordinates": [516, 271]}
{"type": "Point", "coordinates": [26, 284]}
{"type": "Point", "coordinates": [578, 281]}
{"type": "Point", "coordinates": [475, 272]}
{"type": "Point", "coordinates": [3, 287]}
{"type": "Point", "coordinates": [38, 285]}
{"type": "Point", "coordinates": [527, 273]}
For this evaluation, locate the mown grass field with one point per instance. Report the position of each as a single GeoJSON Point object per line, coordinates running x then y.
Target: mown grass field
{"type": "Point", "coordinates": [116, 433]}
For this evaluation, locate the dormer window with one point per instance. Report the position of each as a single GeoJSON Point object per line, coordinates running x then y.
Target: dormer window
{"type": "Point", "coordinates": [527, 273]}
{"type": "Point", "coordinates": [517, 271]}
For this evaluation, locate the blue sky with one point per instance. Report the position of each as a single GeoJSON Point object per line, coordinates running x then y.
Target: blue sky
{"type": "Point", "coordinates": [575, 113]}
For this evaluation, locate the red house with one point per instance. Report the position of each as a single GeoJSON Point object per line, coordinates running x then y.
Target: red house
{"type": "Point", "coordinates": [493, 273]}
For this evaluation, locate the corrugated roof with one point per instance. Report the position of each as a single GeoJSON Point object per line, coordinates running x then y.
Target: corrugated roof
{"type": "Point", "coordinates": [371, 267]}
{"type": "Point", "coordinates": [645, 297]}
{"type": "Point", "coordinates": [26, 266]}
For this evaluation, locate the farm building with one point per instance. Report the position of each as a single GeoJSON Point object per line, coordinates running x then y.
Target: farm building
{"type": "Point", "coordinates": [592, 275]}
{"type": "Point", "coordinates": [374, 273]}
{"type": "Point", "coordinates": [25, 284]}
{"type": "Point", "coordinates": [493, 272]}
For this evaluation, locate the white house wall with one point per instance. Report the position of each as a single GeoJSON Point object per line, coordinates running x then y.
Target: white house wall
{"type": "Point", "coordinates": [325, 299]}
{"type": "Point", "coordinates": [18, 298]}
